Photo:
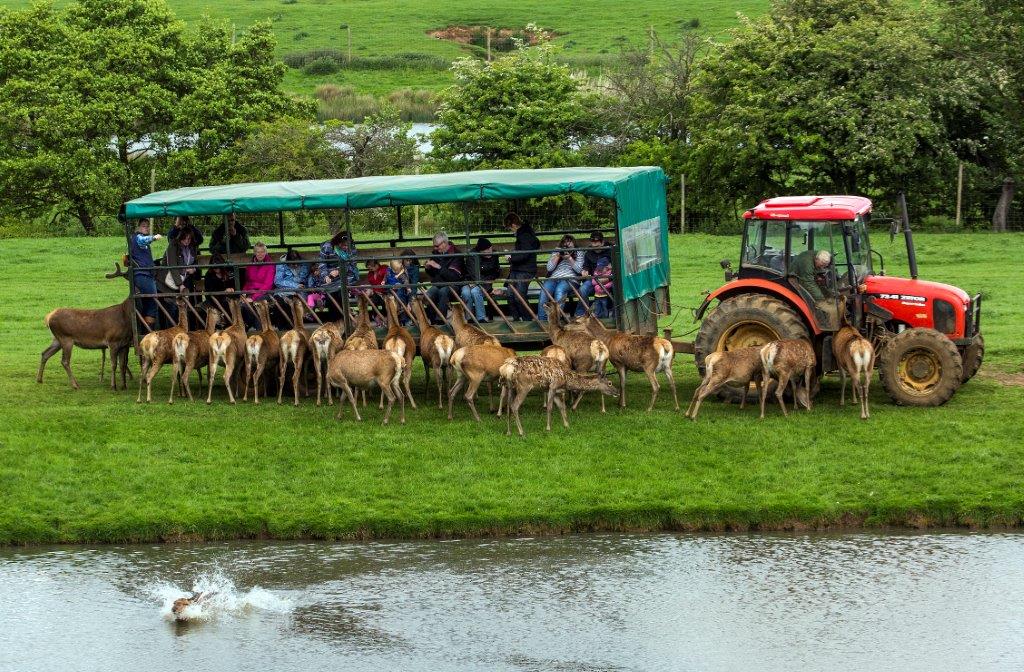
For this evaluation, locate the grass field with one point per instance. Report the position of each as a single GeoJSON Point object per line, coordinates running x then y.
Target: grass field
{"type": "Point", "coordinates": [386, 27]}
{"type": "Point", "coordinates": [95, 466]}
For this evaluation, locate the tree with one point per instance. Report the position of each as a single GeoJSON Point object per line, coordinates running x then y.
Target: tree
{"type": "Point", "coordinates": [287, 149]}
{"type": "Point", "coordinates": [826, 96]}
{"type": "Point", "coordinates": [520, 111]}
{"type": "Point", "coordinates": [94, 95]}
{"type": "Point", "coordinates": [381, 145]}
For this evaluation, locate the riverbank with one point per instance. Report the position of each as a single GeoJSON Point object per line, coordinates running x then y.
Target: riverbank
{"type": "Point", "coordinates": [94, 466]}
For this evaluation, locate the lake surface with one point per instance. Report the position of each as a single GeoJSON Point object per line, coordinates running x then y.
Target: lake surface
{"type": "Point", "coordinates": [592, 602]}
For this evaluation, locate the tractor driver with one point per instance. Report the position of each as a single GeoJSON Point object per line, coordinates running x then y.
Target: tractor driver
{"type": "Point", "coordinates": [807, 266]}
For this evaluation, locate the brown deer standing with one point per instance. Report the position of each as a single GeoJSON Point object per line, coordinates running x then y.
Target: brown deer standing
{"type": "Point", "coordinates": [191, 348]}
{"type": "Point", "coordinates": [227, 346]}
{"type": "Point", "coordinates": [464, 332]}
{"type": "Point", "coordinates": [523, 374]}
{"type": "Point", "coordinates": [325, 342]}
{"type": "Point", "coordinates": [363, 337]}
{"type": "Point", "coordinates": [436, 348]}
{"type": "Point", "coordinates": [364, 369]}
{"type": "Point", "coordinates": [782, 360]}
{"type": "Point", "coordinates": [585, 351]}
{"type": "Point", "coordinates": [155, 348]}
{"type": "Point", "coordinates": [261, 349]}
{"type": "Point", "coordinates": [473, 365]}
{"type": "Point", "coordinates": [294, 347]}
{"type": "Point", "coordinates": [856, 357]}
{"type": "Point", "coordinates": [399, 341]}
{"type": "Point", "coordinates": [734, 367]}
{"type": "Point", "coordinates": [633, 352]}
{"type": "Point", "coordinates": [106, 329]}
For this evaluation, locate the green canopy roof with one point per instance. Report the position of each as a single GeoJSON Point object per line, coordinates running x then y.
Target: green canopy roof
{"type": "Point", "coordinates": [375, 192]}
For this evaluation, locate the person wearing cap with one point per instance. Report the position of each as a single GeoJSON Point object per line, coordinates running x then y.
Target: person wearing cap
{"type": "Point", "coordinates": [596, 251]}
{"type": "Point", "coordinates": [484, 270]}
{"type": "Point", "coordinates": [522, 266]}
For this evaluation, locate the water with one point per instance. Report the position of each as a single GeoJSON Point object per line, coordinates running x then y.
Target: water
{"type": "Point", "coordinates": [596, 602]}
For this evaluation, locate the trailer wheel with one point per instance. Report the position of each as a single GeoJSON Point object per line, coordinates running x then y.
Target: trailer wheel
{"type": "Point", "coordinates": [745, 321]}
{"type": "Point", "coordinates": [920, 367]}
{"type": "Point", "coordinates": [972, 357]}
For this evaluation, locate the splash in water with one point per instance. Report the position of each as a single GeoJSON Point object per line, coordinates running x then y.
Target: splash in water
{"type": "Point", "coordinates": [220, 596]}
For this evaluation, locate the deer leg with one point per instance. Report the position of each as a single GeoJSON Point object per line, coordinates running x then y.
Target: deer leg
{"type": "Point", "coordinates": [459, 382]}
{"type": "Point", "coordinates": [174, 380]}
{"type": "Point", "coordinates": [47, 353]}
{"type": "Point", "coordinates": [548, 403]}
{"type": "Point", "coordinates": [437, 374]}
{"type": "Point", "coordinates": [808, 372]}
{"type": "Point", "coordinates": [426, 379]}
{"type": "Point", "coordinates": [765, 384]}
{"type": "Point", "coordinates": [396, 388]}
{"type": "Point", "coordinates": [229, 368]}
{"type": "Point", "coordinates": [211, 374]}
{"type": "Point", "coordinates": [621, 370]}
{"type": "Point", "coordinates": [490, 397]}
{"type": "Point", "coordinates": [653, 379]}
{"type": "Point", "coordinates": [560, 402]}
{"type": "Point", "coordinates": [470, 396]}
{"type": "Point", "coordinates": [842, 389]}
{"type": "Point", "coordinates": [506, 396]}
{"type": "Point", "coordinates": [386, 391]}
{"type": "Point", "coordinates": [352, 397]}
{"type": "Point", "coordinates": [65, 360]}
{"type": "Point", "coordinates": [248, 377]}
{"type": "Point", "coordinates": [672, 383]}
{"type": "Point", "coordinates": [282, 368]}
{"type": "Point", "coordinates": [297, 375]}
{"type": "Point", "coordinates": [516, 404]}
{"type": "Point", "coordinates": [694, 402]}
{"type": "Point", "coordinates": [407, 382]}
{"type": "Point", "coordinates": [781, 389]}
{"type": "Point", "coordinates": [103, 361]}
{"type": "Point", "coordinates": [316, 368]}
{"type": "Point", "coordinates": [186, 379]}
{"type": "Point", "coordinates": [256, 379]}
{"type": "Point", "coordinates": [154, 368]}
{"type": "Point", "coordinates": [864, 394]}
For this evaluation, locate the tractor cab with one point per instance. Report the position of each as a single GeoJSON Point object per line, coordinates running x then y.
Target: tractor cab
{"type": "Point", "coordinates": [783, 237]}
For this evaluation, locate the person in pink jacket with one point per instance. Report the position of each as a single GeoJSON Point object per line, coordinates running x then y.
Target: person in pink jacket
{"type": "Point", "coordinates": [258, 279]}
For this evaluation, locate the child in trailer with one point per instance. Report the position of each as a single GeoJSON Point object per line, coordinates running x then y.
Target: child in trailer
{"type": "Point", "coordinates": [375, 275]}
{"type": "Point", "coordinates": [602, 277]}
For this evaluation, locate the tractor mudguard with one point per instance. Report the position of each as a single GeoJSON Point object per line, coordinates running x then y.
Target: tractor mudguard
{"type": "Point", "coordinates": [759, 286]}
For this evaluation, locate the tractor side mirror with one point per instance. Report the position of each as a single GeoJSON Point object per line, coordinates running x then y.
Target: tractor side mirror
{"type": "Point", "coordinates": [727, 267]}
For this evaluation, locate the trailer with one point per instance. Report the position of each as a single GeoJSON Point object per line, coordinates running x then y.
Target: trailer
{"type": "Point", "coordinates": [627, 205]}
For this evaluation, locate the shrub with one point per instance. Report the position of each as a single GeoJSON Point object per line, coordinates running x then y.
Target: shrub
{"type": "Point", "coordinates": [301, 35]}
{"type": "Point", "coordinates": [414, 104]}
{"type": "Point", "coordinates": [321, 66]}
{"type": "Point", "coordinates": [299, 59]}
{"type": "Point", "coordinates": [342, 102]}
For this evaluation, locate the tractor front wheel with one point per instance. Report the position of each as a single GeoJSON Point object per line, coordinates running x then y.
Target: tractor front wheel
{"type": "Point", "coordinates": [744, 321]}
{"type": "Point", "coordinates": [920, 367]}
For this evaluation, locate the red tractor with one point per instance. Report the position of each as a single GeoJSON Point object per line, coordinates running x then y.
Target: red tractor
{"type": "Point", "coordinates": [926, 334]}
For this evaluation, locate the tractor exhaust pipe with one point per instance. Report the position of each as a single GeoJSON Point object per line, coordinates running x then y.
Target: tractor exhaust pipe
{"type": "Point", "coordinates": [907, 235]}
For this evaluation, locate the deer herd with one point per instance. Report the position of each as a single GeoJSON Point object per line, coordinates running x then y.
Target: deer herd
{"type": "Point", "coordinates": [572, 365]}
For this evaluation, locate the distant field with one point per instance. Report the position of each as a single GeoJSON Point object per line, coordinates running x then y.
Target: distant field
{"type": "Point", "coordinates": [386, 27]}
{"type": "Point", "coordinates": [94, 466]}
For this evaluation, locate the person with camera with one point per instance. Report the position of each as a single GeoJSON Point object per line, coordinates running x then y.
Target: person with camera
{"type": "Point", "coordinates": [564, 267]}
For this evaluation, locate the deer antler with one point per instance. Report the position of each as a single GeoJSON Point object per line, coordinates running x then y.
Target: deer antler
{"type": "Point", "coordinates": [118, 273]}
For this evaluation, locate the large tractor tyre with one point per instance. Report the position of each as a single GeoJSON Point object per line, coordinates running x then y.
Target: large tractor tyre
{"type": "Point", "coordinates": [920, 367]}
{"type": "Point", "coordinates": [972, 356]}
{"type": "Point", "coordinates": [744, 321]}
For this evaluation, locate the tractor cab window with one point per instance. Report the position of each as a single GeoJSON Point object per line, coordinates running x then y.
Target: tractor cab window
{"type": "Point", "coordinates": [807, 238]}
{"type": "Point", "coordinates": [860, 250]}
{"type": "Point", "coordinates": [764, 245]}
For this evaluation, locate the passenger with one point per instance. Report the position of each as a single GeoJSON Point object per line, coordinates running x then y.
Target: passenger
{"type": "Point", "coordinates": [291, 275]}
{"type": "Point", "coordinates": [602, 281]}
{"type": "Point", "coordinates": [238, 236]}
{"type": "Point", "coordinates": [323, 276]}
{"type": "Point", "coordinates": [375, 274]}
{"type": "Point", "coordinates": [412, 269]}
{"type": "Point", "coordinates": [563, 268]}
{"type": "Point", "coordinates": [397, 280]}
{"type": "Point", "coordinates": [522, 266]}
{"type": "Point", "coordinates": [595, 252]}
{"type": "Point", "coordinates": [473, 295]}
{"type": "Point", "coordinates": [143, 277]}
{"type": "Point", "coordinates": [444, 266]}
{"type": "Point", "coordinates": [219, 279]}
{"type": "Point", "coordinates": [184, 223]}
{"type": "Point", "coordinates": [345, 250]}
{"type": "Point", "coordinates": [259, 279]}
{"type": "Point", "coordinates": [181, 251]}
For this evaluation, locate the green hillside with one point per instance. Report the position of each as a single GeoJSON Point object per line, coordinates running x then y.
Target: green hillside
{"type": "Point", "coordinates": [591, 32]}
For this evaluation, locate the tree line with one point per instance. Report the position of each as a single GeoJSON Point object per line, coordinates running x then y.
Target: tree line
{"type": "Point", "coordinates": [830, 96]}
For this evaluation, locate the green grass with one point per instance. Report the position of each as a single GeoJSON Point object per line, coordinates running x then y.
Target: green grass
{"type": "Point", "coordinates": [386, 27]}
{"type": "Point", "coordinates": [94, 466]}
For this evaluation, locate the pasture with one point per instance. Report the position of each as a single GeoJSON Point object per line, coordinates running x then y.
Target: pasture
{"type": "Point", "coordinates": [94, 466]}
{"type": "Point", "coordinates": [589, 32]}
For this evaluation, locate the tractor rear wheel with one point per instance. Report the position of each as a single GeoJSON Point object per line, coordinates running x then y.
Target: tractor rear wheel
{"type": "Point", "coordinates": [920, 367]}
{"type": "Point", "coordinates": [744, 321]}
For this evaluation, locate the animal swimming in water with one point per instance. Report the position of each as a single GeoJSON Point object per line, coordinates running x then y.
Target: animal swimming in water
{"type": "Point", "coordinates": [183, 603]}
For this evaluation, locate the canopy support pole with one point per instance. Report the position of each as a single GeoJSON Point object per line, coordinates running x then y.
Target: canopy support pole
{"type": "Point", "coordinates": [343, 267]}
{"type": "Point", "coordinates": [280, 227]}
{"type": "Point", "coordinates": [401, 235]}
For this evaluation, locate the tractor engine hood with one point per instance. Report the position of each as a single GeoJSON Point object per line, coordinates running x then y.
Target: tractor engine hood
{"type": "Point", "coordinates": [910, 291]}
